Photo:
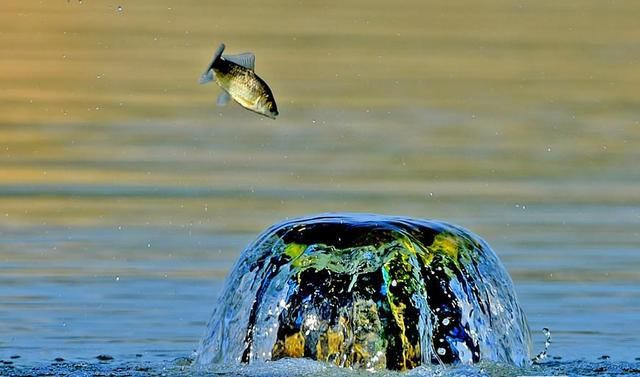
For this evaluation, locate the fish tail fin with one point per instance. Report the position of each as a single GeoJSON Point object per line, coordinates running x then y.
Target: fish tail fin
{"type": "Point", "coordinates": [208, 74]}
{"type": "Point", "coordinates": [206, 77]}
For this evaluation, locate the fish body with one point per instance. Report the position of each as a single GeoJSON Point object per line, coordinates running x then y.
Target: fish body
{"type": "Point", "coordinates": [236, 76]}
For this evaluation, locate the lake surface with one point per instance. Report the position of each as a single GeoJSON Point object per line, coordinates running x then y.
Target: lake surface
{"type": "Point", "coordinates": [126, 195]}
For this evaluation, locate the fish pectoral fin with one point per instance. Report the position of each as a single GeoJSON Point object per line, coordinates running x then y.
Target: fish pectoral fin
{"type": "Point", "coordinates": [223, 98]}
{"type": "Point", "coordinates": [247, 60]}
{"type": "Point", "coordinates": [206, 77]}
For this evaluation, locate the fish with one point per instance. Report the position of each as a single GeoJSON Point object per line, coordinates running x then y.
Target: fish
{"type": "Point", "coordinates": [236, 76]}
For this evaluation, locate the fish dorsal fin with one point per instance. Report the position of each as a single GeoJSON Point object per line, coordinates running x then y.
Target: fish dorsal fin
{"type": "Point", "coordinates": [247, 60]}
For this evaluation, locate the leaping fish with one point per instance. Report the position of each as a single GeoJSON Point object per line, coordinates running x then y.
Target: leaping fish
{"type": "Point", "coordinates": [235, 75]}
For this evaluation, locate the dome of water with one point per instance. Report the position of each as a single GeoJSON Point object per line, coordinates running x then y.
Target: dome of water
{"type": "Point", "coordinates": [367, 291]}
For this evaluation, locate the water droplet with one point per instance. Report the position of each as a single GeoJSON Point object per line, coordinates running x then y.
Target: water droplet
{"type": "Point", "coordinates": [120, 8]}
{"type": "Point", "coordinates": [117, 278]}
{"type": "Point", "coordinates": [445, 321]}
{"type": "Point", "coordinates": [394, 283]}
{"type": "Point", "coordinates": [441, 351]}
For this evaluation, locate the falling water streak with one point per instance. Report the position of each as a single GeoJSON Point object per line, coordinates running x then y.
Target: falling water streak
{"type": "Point", "coordinates": [547, 342]}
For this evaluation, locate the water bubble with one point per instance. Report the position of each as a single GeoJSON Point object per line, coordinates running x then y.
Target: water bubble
{"type": "Point", "coordinates": [119, 8]}
{"type": "Point", "coordinates": [441, 351]}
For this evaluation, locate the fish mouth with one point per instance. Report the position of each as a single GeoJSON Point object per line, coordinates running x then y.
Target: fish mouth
{"type": "Point", "coordinates": [272, 114]}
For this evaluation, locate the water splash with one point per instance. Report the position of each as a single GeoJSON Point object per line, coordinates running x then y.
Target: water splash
{"type": "Point", "coordinates": [547, 342]}
{"type": "Point", "coordinates": [367, 291]}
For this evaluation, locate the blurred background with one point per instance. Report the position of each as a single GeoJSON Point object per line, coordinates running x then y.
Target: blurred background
{"type": "Point", "coordinates": [126, 194]}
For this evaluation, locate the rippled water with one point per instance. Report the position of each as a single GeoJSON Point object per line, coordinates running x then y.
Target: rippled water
{"type": "Point", "coordinates": [125, 196]}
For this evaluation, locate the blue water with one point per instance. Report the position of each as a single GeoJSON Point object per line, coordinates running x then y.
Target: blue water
{"type": "Point", "coordinates": [126, 196]}
{"type": "Point", "coordinates": [127, 269]}
{"type": "Point", "coordinates": [292, 367]}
